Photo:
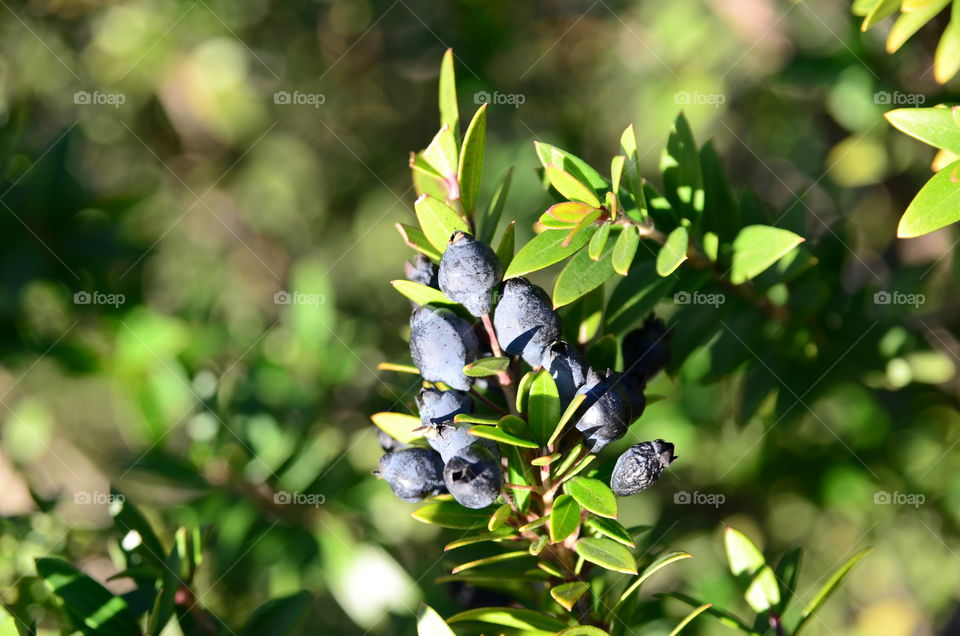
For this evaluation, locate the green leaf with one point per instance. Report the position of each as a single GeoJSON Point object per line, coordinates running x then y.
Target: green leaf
{"type": "Point", "coordinates": [788, 573]}
{"type": "Point", "coordinates": [491, 217]}
{"type": "Point", "coordinates": [523, 391]}
{"type": "Point", "coordinates": [510, 617]}
{"type": "Point", "coordinates": [594, 495]}
{"type": "Point", "coordinates": [533, 525]}
{"type": "Point", "coordinates": [567, 594]}
{"type": "Point", "coordinates": [934, 206]}
{"type": "Point", "coordinates": [564, 518]}
{"type": "Point", "coordinates": [545, 460]}
{"type": "Point", "coordinates": [578, 468]}
{"type": "Point", "coordinates": [625, 249]}
{"type": "Point", "coordinates": [909, 23]}
{"type": "Point", "coordinates": [946, 59]}
{"type": "Point", "coordinates": [565, 214]}
{"type": "Point", "coordinates": [581, 276]}
{"type": "Point", "coordinates": [501, 534]}
{"type": "Point", "coordinates": [565, 418]}
{"type": "Point", "coordinates": [8, 624]}
{"type": "Point", "coordinates": [673, 252]}
{"type": "Point", "coordinates": [426, 179]}
{"type": "Point", "coordinates": [658, 564]}
{"type": "Point", "coordinates": [686, 621]}
{"type": "Point", "coordinates": [721, 215]}
{"type": "Point", "coordinates": [128, 518]}
{"type": "Point", "coordinates": [599, 241]}
{"type": "Point", "coordinates": [724, 617]}
{"type": "Point", "coordinates": [449, 112]}
{"type": "Point", "coordinates": [757, 247]}
{"type": "Point", "coordinates": [628, 142]}
{"type": "Point", "coordinates": [680, 165]}
{"type": "Point", "coordinates": [538, 545]}
{"type": "Point", "coordinates": [278, 615]}
{"type": "Point", "coordinates": [471, 160]}
{"type": "Point", "coordinates": [616, 172]}
{"type": "Point", "coordinates": [399, 426]}
{"type": "Point", "coordinates": [635, 296]}
{"type": "Point", "coordinates": [828, 588]}
{"type": "Point", "coordinates": [429, 623]}
{"type": "Point", "coordinates": [568, 185]}
{"type": "Point", "coordinates": [469, 418]}
{"type": "Point", "coordinates": [490, 560]}
{"type": "Point", "coordinates": [415, 238]}
{"type": "Point", "coordinates": [450, 514]}
{"type": "Point", "coordinates": [583, 630]}
{"type": "Point", "coordinates": [545, 249]}
{"type": "Point", "coordinates": [420, 293]}
{"type": "Point", "coordinates": [519, 473]}
{"type": "Point", "coordinates": [486, 366]}
{"type": "Point", "coordinates": [576, 166]}
{"type": "Point", "coordinates": [501, 436]}
{"type": "Point", "coordinates": [90, 605]}
{"type": "Point", "coordinates": [743, 556]}
{"type": "Point", "coordinates": [499, 517]}
{"type": "Point", "coordinates": [607, 554]}
{"type": "Point", "coordinates": [569, 460]}
{"type": "Point", "coordinates": [544, 407]}
{"type": "Point", "coordinates": [504, 249]}
{"type": "Point", "coordinates": [163, 606]}
{"type": "Point", "coordinates": [439, 221]}
{"type": "Point", "coordinates": [442, 155]}
{"type": "Point", "coordinates": [935, 126]}
{"type": "Point", "coordinates": [763, 592]}
{"type": "Point", "coordinates": [880, 10]}
{"type": "Point", "coordinates": [612, 529]}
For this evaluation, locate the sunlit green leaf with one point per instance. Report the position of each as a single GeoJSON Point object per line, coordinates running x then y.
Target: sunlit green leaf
{"type": "Point", "coordinates": [581, 276]}
{"type": "Point", "coordinates": [742, 555]}
{"type": "Point", "coordinates": [438, 221]}
{"type": "Point", "coordinates": [658, 564]}
{"type": "Point", "coordinates": [420, 293]}
{"type": "Point", "coordinates": [449, 111]}
{"type": "Point", "coordinates": [510, 617]}
{"type": "Point", "coordinates": [689, 617]}
{"type": "Point", "coordinates": [576, 166]}
{"type": "Point", "coordinates": [399, 426]}
{"type": "Point", "coordinates": [939, 127]}
{"type": "Point", "coordinates": [934, 206]}
{"type": "Point", "coordinates": [564, 518]}
{"type": "Point", "coordinates": [450, 514]}
{"type": "Point", "coordinates": [909, 23]}
{"type": "Point", "coordinates": [611, 528]}
{"type": "Point", "coordinates": [429, 623]}
{"type": "Point", "coordinates": [545, 249]}
{"type": "Point", "coordinates": [544, 407]}
{"type": "Point", "coordinates": [625, 249]}
{"type": "Point", "coordinates": [567, 594]}
{"type": "Point", "coordinates": [724, 617]}
{"type": "Point", "coordinates": [880, 10]}
{"type": "Point", "coordinates": [491, 560]}
{"type": "Point", "coordinates": [504, 249]}
{"type": "Point", "coordinates": [501, 436]}
{"type": "Point", "coordinates": [88, 603]}
{"type": "Point", "coordinates": [442, 154]}
{"type": "Point", "coordinates": [415, 238]}
{"type": "Point", "coordinates": [673, 252]}
{"type": "Point", "coordinates": [486, 366]}
{"type": "Point", "coordinates": [594, 495]}
{"type": "Point", "coordinates": [568, 185]}
{"type": "Point", "coordinates": [828, 588]}
{"type": "Point", "coordinates": [757, 247]}
{"type": "Point", "coordinates": [599, 241]}
{"type": "Point", "coordinates": [607, 554]}
{"type": "Point", "coordinates": [494, 209]}
{"type": "Point", "coordinates": [471, 160]}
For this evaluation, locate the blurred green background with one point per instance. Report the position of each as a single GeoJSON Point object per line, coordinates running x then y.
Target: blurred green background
{"type": "Point", "coordinates": [181, 163]}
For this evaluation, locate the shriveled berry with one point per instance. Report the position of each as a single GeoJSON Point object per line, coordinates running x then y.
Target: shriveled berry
{"type": "Point", "coordinates": [441, 343]}
{"type": "Point", "coordinates": [567, 367]}
{"type": "Point", "coordinates": [469, 271]}
{"type": "Point", "coordinates": [388, 443]}
{"type": "Point", "coordinates": [422, 271]}
{"type": "Point", "coordinates": [473, 477]}
{"type": "Point", "coordinates": [525, 321]}
{"type": "Point", "coordinates": [612, 405]}
{"type": "Point", "coordinates": [413, 473]}
{"type": "Point", "coordinates": [640, 466]}
{"type": "Point", "coordinates": [646, 351]}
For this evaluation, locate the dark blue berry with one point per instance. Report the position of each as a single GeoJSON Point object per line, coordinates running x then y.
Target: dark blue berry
{"type": "Point", "coordinates": [422, 271]}
{"type": "Point", "coordinates": [473, 477]}
{"type": "Point", "coordinates": [646, 351]}
{"type": "Point", "coordinates": [525, 321]}
{"type": "Point", "coordinates": [568, 369]}
{"type": "Point", "coordinates": [441, 344]}
{"type": "Point", "coordinates": [388, 443]}
{"type": "Point", "coordinates": [469, 271]}
{"type": "Point", "coordinates": [640, 466]}
{"type": "Point", "coordinates": [612, 405]}
{"type": "Point", "coordinates": [413, 473]}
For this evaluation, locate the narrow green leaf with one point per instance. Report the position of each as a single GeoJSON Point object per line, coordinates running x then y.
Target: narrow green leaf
{"type": "Point", "coordinates": [90, 605]}
{"type": "Point", "coordinates": [523, 391]}
{"type": "Point", "coordinates": [607, 554]}
{"type": "Point", "coordinates": [450, 514]}
{"type": "Point", "coordinates": [880, 10]}
{"type": "Point", "coordinates": [673, 252]}
{"type": "Point", "coordinates": [469, 418]}
{"type": "Point", "coordinates": [568, 185]}
{"type": "Point", "coordinates": [576, 166]}
{"type": "Point", "coordinates": [491, 217]}
{"type": "Point", "coordinates": [533, 525]}
{"type": "Point", "coordinates": [429, 623]}
{"type": "Point", "coordinates": [420, 293]}
{"type": "Point", "coordinates": [635, 296]}
{"type": "Point", "coordinates": [743, 556]}
{"type": "Point", "coordinates": [449, 112]}
{"type": "Point", "coordinates": [578, 468]}
{"type": "Point", "coordinates": [499, 517]}
{"type": "Point", "coordinates": [426, 179]}
{"type": "Point", "coordinates": [163, 606]}
{"type": "Point", "coordinates": [399, 426]}
{"type": "Point", "coordinates": [399, 368]}
{"type": "Point", "coordinates": [278, 615]}
{"type": "Point", "coordinates": [510, 617]}
{"type": "Point", "coordinates": [567, 594]}
{"type": "Point", "coordinates": [471, 160]}
{"type": "Point", "coordinates": [828, 588]}
{"type": "Point", "coordinates": [498, 558]}
{"type": "Point", "coordinates": [442, 155]}
{"type": "Point", "coordinates": [724, 617]}
{"type": "Point", "coordinates": [935, 126]}
{"type": "Point", "coordinates": [519, 473]}
{"type": "Point", "coordinates": [599, 241]}
{"type": "Point", "coordinates": [616, 172]}
{"type": "Point", "coordinates": [415, 238]}
{"type": "Point", "coordinates": [501, 436]}
{"type": "Point", "coordinates": [504, 249]}
{"type": "Point", "coordinates": [565, 418]}
{"type": "Point", "coordinates": [128, 518]}
{"type": "Point", "coordinates": [501, 534]}
{"type": "Point", "coordinates": [628, 142]}
{"type": "Point", "coordinates": [545, 249]}
{"type": "Point", "coordinates": [763, 592]}
{"type": "Point", "coordinates": [564, 518]}
{"type": "Point", "coordinates": [566, 213]}
{"type": "Point", "coordinates": [581, 276]}
{"type": "Point", "coordinates": [680, 167]}
{"type": "Point", "coordinates": [788, 573]}
{"type": "Point", "coordinates": [692, 615]}
{"type": "Point", "coordinates": [486, 366]}
{"type": "Point", "coordinates": [721, 215]}
{"type": "Point", "coordinates": [625, 249]}
{"type": "Point", "coordinates": [537, 546]}
{"type": "Point", "coordinates": [658, 564]}
{"type": "Point", "coordinates": [934, 206]}
{"type": "Point", "coordinates": [909, 23]}
{"type": "Point", "coordinates": [757, 247]}
{"type": "Point", "coordinates": [438, 221]}
{"type": "Point", "coordinates": [611, 528]}
{"type": "Point", "coordinates": [583, 630]}
{"type": "Point", "coordinates": [593, 495]}
{"type": "Point", "coordinates": [8, 624]}
{"type": "Point", "coordinates": [572, 455]}
{"type": "Point", "coordinates": [544, 407]}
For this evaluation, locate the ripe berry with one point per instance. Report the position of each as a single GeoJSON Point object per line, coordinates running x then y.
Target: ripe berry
{"type": "Point", "coordinates": [441, 343]}
{"type": "Point", "coordinates": [612, 405]}
{"type": "Point", "coordinates": [567, 367]}
{"type": "Point", "coordinates": [640, 466]}
{"type": "Point", "coordinates": [422, 271]}
{"type": "Point", "coordinates": [646, 351]}
{"type": "Point", "coordinates": [388, 443]}
{"type": "Point", "coordinates": [473, 477]}
{"type": "Point", "coordinates": [438, 408]}
{"type": "Point", "coordinates": [469, 271]}
{"type": "Point", "coordinates": [413, 473]}
{"type": "Point", "coordinates": [525, 321]}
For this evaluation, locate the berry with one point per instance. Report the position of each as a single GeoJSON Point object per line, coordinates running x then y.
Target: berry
{"type": "Point", "coordinates": [469, 271]}
{"type": "Point", "coordinates": [646, 350]}
{"type": "Point", "coordinates": [525, 321]}
{"type": "Point", "coordinates": [441, 343]}
{"type": "Point", "coordinates": [422, 271]}
{"type": "Point", "coordinates": [413, 473]}
{"type": "Point", "coordinates": [640, 466]}
{"type": "Point", "coordinates": [612, 405]}
{"type": "Point", "coordinates": [388, 443]}
{"type": "Point", "coordinates": [473, 477]}
{"type": "Point", "coordinates": [568, 369]}
{"type": "Point", "coordinates": [438, 408]}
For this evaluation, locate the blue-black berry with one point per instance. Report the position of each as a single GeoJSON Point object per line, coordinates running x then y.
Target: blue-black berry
{"type": "Point", "coordinates": [422, 271]}
{"type": "Point", "coordinates": [388, 443]}
{"type": "Point", "coordinates": [469, 271]}
{"type": "Point", "coordinates": [640, 466]}
{"type": "Point", "coordinates": [441, 344]}
{"type": "Point", "coordinates": [473, 477]}
{"type": "Point", "coordinates": [612, 405]}
{"type": "Point", "coordinates": [568, 369]}
{"type": "Point", "coordinates": [413, 473]}
{"type": "Point", "coordinates": [525, 321]}
{"type": "Point", "coordinates": [646, 351]}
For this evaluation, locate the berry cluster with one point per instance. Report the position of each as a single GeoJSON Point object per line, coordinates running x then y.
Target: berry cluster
{"type": "Point", "coordinates": [524, 324]}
